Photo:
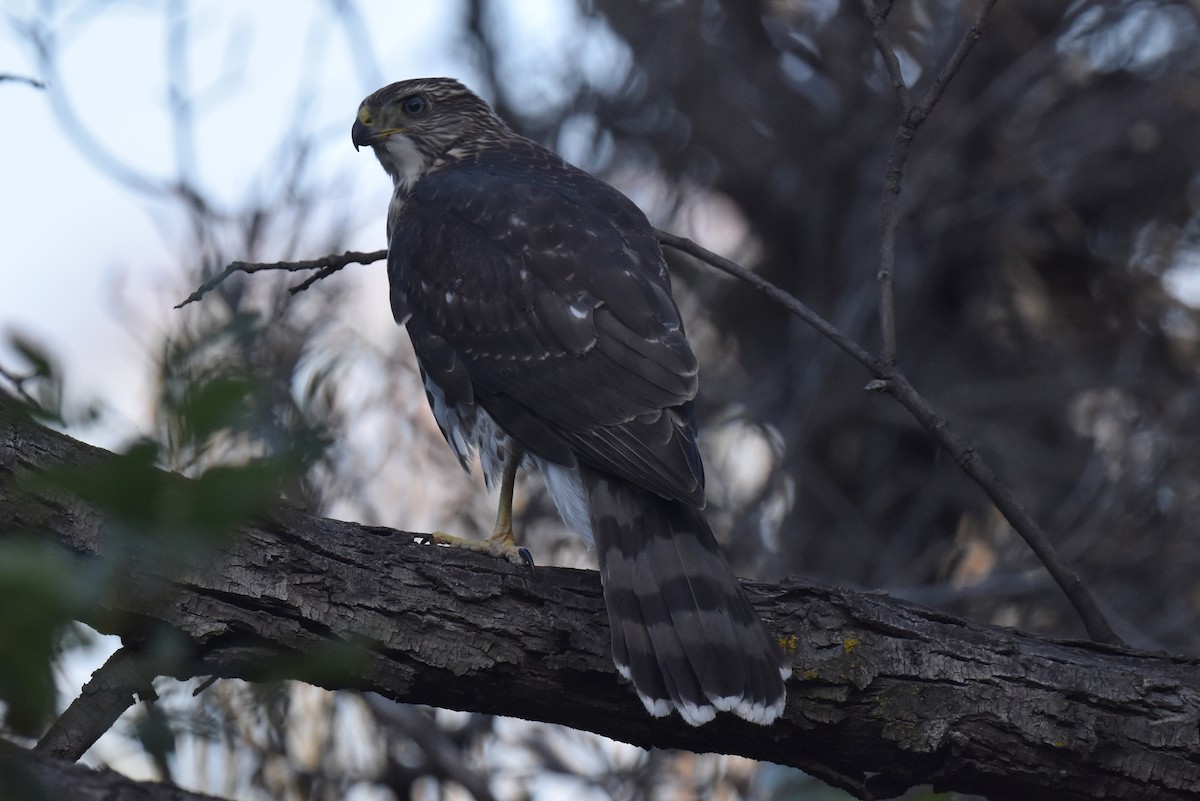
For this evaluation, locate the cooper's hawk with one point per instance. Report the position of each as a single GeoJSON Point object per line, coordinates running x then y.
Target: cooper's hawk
{"type": "Point", "coordinates": [539, 306]}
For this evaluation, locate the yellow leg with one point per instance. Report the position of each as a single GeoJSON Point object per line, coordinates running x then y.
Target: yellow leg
{"type": "Point", "coordinates": [502, 542]}
{"type": "Point", "coordinates": [502, 532]}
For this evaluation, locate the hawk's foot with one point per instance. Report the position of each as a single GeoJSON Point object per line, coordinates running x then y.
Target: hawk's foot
{"type": "Point", "coordinates": [501, 544]}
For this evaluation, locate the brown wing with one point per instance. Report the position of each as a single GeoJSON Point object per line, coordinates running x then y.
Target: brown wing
{"type": "Point", "coordinates": [540, 293]}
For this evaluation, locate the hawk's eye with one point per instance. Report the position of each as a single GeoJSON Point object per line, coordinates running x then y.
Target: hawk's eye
{"type": "Point", "coordinates": [414, 104]}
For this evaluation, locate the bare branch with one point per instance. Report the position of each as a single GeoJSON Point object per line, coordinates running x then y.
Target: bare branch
{"type": "Point", "coordinates": [934, 93]}
{"type": "Point", "coordinates": [326, 266]}
{"type": "Point", "coordinates": [112, 689]}
{"type": "Point", "coordinates": [889, 378]}
{"type": "Point", "coordinates": [877, 14]}
{"type": "Point", "coordinates": [911, 118]}
{"type": "Point", "coordinates": [784, 299]}
{"type": "Point", "coordinates": [34, 82]}
{"type": "Point", "coordinates": [894, 381]}
{"type": "Point", "coordinates": [965, 454]}
{"type": "Point", "coordinates": [889, 213]}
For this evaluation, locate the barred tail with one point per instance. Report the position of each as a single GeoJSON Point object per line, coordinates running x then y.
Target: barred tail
{"type": "Point", "coordinates": [683, 630]}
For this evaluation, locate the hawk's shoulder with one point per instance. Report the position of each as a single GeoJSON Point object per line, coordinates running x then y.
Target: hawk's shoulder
{"type": "Point", "coordinates": [547, 289]}
{"type": "Point", "coordinates": [519, 212]}
{"type": "Point", "coordinates": [517, 179]}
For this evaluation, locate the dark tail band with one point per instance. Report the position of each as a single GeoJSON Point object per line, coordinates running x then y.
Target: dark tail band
{"type": "Point", "coordinates": [683, 632]}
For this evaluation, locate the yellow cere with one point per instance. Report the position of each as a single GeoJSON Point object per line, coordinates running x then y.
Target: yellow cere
{"type": "Point", "coordinates": [364, 115]}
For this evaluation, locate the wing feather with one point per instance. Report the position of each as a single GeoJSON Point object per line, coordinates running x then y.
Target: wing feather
{"type": "Point", "coordinates": [551, 291]}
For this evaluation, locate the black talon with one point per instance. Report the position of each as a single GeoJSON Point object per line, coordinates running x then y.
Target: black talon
{"type": "Point", "coordinates": [526, 555]}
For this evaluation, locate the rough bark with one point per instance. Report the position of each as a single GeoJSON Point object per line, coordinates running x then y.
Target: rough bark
{"type": "Point", "coordinates": [112, 690]}
{"type": "Point", "coordinates": [885, 694]}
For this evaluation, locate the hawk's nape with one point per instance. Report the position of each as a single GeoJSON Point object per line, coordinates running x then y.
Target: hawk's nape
{"type": "Point", "coordinates": [540, 311]}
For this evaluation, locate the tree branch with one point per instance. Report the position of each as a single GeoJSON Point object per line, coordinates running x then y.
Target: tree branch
{"type": "Point", "coordinates": [911, 117]}
{"type": "Point", "coordinates": [877, 14]}
{"type": "Point", "coordinates": [890, 378]}
{"type": "Point", "coordinates": [788, 301]}
{"type": "Point", "coordinates": [34, 82]}
{"type": "Point", "coordinates": [934, 93]}
{"type": "Point", "coordinates": [112, 689]}
{"type": "Point", "coordinates": [325, 267]}
{"type": "Point", "coordinates": [884, 694]}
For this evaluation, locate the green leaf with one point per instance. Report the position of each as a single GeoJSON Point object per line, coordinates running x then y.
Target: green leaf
{"type": "Point", "coordinates": [41, 592]}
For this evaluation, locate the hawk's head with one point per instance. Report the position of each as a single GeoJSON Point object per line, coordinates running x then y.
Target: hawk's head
{"type": "Point", "coordinates": [411, 123]}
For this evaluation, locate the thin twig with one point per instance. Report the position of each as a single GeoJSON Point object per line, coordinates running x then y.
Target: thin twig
{"type": "Point", "coordinates": [889, 213]}
{"type": "Point", "coordinates": [788, 301]}
{"type": "Point", "coordinates": [911, 118]}
{"type": "Point", "coordinates": [324, 273]}
{"type": "Point", "coordinates": [890, 378]}
{"type": "Point", "coordinates": [877, 14]}
{"type": "Point", "coordinates": [934, 93]}
{"type": "Point", "coordinates": [888, 375]}
{"type": "Point", "coordinates": [893, 380]}
{"type": "Point", "coordinates": [34, 82]}
{"type": "Point", "coordinates": [326, 266]}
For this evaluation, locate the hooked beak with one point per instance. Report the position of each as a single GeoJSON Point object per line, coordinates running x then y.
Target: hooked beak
{"type": "Point", "coordinates": [362, 135]}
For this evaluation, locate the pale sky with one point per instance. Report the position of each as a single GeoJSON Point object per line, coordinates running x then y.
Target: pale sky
{"type": "Point", "coordinates": [89, 267]}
